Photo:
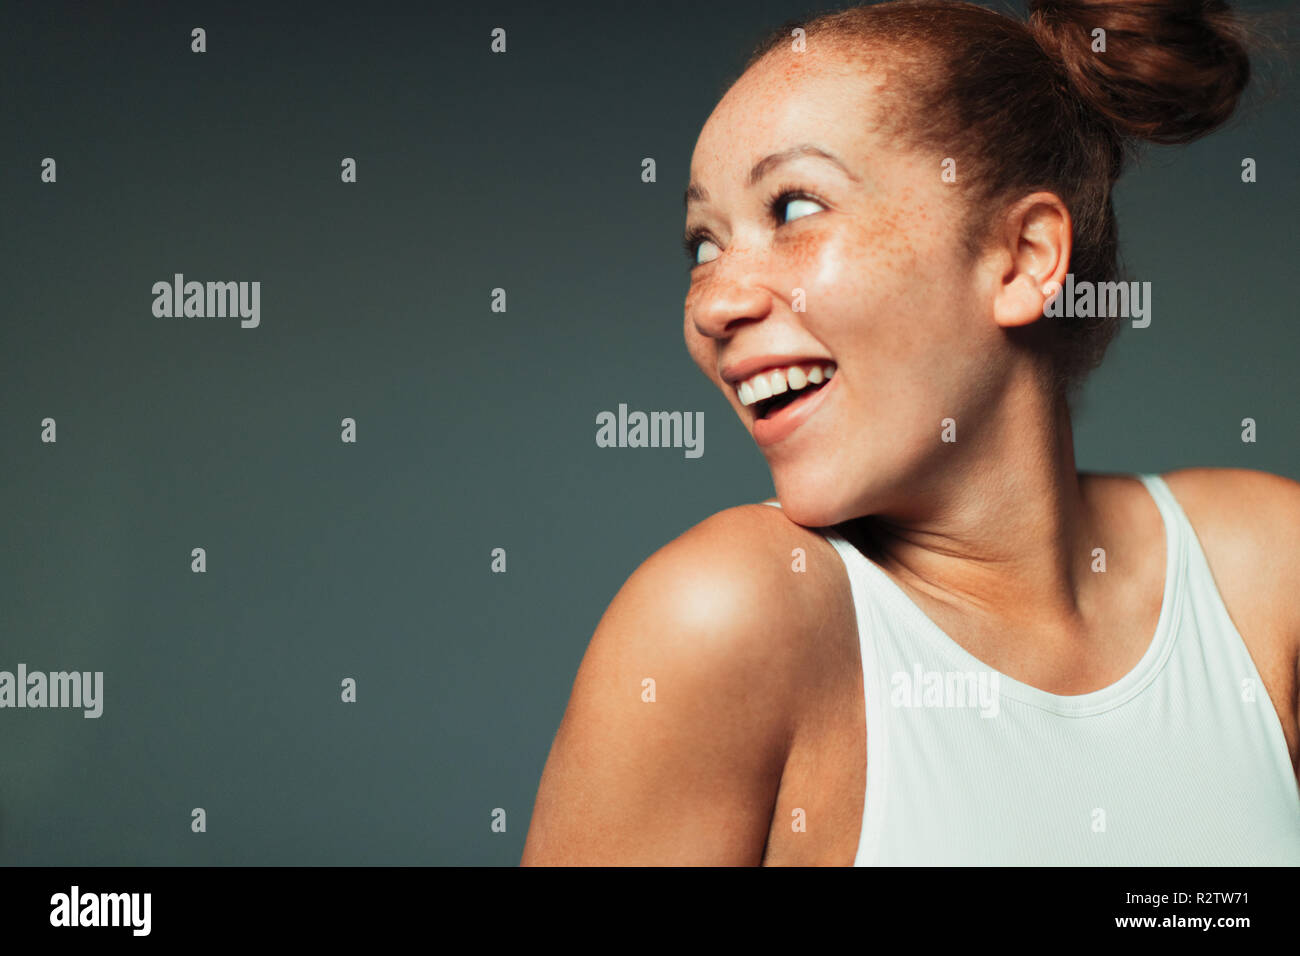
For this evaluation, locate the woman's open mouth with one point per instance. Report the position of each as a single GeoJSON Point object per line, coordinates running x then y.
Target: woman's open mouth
{"type": "Point", "coordinates": [781, 398]}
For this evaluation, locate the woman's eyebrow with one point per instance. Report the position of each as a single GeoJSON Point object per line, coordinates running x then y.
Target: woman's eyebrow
{"type": "Point", "coordinates": [697, 193]}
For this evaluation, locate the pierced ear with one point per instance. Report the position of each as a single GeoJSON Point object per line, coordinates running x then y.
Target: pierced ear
{"type": "Point", "coordinates": [1036, 245]}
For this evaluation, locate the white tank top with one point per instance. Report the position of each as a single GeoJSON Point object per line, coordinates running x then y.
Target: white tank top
{"type": "Point", "coordinates": [1180, 762]}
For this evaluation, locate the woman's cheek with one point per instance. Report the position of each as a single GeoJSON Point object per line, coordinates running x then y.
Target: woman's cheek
{"type": "Point", "coordinates": [821, 269]}
{"type": "Point", "coordinates": [847, 278]}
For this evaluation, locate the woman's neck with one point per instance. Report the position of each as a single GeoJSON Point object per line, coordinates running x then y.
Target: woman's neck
{"type": "Point", "coordinates": [1005, 533]}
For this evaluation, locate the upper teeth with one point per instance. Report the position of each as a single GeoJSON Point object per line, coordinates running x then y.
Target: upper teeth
{"type": "Point", "coordinates": [774, 381]}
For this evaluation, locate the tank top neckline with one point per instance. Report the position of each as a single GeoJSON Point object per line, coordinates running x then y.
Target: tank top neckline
{"type": "Point", "coordinates": [1073, 705]}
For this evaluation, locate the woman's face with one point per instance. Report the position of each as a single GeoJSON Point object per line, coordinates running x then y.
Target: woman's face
{"type": "Point", "coordinates": [889, 296]}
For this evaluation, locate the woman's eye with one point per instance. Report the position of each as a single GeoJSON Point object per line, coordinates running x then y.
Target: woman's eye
{"type": "Point", "coordinates": [786, 206]}
{"type": "Point", "coordinates": [800, 207]}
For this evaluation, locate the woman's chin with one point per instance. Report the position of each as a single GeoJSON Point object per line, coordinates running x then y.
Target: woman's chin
{"type": "Point", "coordinates": [811, 510]}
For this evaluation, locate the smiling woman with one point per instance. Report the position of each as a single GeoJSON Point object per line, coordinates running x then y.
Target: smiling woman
{"type": "Point", "coordinates": [878, 215]}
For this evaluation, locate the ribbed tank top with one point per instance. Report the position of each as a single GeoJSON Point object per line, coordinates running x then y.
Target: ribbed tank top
{"type": "Point", "coordinates": [1180, 762]}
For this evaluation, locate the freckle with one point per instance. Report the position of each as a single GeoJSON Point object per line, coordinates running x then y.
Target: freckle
{"type": "Point", "coordinates": [801, 255]}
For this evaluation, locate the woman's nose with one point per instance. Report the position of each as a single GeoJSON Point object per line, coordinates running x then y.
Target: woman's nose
{"type": "Point", "coordinates": [723, 302]}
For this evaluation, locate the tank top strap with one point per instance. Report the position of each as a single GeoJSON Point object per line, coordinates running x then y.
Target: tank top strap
{"type": "Point", "coordinates": [1178, 530]}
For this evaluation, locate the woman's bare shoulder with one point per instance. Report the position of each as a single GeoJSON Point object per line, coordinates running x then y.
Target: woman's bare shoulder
{"type": "Point", "coordinates": [679, 722]}
{"type": "Point", "coordinates": [1240, 508]}
{"type": "Point", "coordinates": [746, 575]}
{"type": "Point", "coordinates": [1260, 488]}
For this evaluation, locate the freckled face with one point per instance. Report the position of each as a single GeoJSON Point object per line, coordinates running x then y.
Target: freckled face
{"type": "Point", "coordinates": [889, 294]}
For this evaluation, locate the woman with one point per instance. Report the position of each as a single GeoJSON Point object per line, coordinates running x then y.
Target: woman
{"type": "Point", "coordinates": [944, 644]}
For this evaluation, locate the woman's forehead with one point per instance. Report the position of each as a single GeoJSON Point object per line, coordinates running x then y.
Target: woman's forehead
{"type": "Point", "coordinates": [783, 102]}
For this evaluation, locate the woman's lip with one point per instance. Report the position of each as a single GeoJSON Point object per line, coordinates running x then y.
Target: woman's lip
{"type": "Point", "coordinates": [778, 427]}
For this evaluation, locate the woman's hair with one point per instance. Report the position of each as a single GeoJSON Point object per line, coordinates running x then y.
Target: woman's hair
{"type": "Point", "coordinates": [1034, 106]}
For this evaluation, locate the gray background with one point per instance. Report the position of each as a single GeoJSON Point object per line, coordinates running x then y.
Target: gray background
{"type": "Point", "coordinates": [476, 429]}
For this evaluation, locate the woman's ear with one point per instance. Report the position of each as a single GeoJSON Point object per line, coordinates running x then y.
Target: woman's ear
{"type": "Point", "coordinates": [1034, 256]}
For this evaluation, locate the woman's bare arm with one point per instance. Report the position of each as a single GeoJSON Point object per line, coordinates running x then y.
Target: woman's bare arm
{"type": "Point", "coordinates": [690, 777]}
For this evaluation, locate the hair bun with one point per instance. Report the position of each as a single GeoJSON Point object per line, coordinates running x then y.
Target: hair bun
{"type": "Point", "coordinates": [1172, 70]}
